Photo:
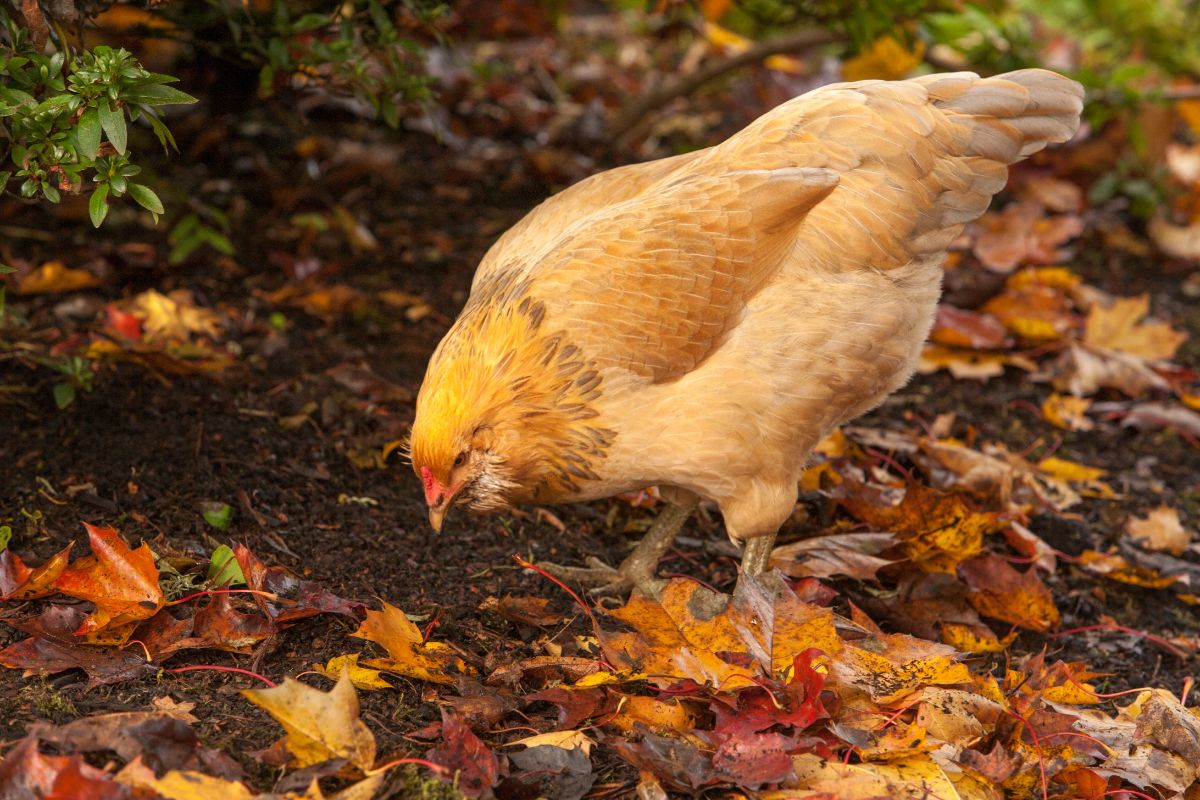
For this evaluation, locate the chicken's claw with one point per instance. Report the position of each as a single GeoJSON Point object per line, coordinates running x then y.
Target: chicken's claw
{"type": "Point", "coordinates": [601, 580]}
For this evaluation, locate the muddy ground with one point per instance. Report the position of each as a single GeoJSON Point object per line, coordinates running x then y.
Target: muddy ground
{"type": "Point", "coordinates": [149, 453]}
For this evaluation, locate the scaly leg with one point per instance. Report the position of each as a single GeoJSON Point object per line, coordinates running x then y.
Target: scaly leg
{"type": "Point", "coordinates": [638, 569]}
{"type": "Point", "coordinates": [756, 557]}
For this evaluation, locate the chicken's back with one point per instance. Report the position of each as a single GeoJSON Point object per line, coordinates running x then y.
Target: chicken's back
{"type": "Point", "coordinates": [842, 322]}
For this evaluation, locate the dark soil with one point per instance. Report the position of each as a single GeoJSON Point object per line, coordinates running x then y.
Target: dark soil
{"type": "Point", "coordinates": [155, 452]}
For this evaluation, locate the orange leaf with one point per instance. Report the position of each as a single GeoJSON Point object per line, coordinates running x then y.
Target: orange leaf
{"type": "Point", "coordinates": [54, 276]}
{"type": "Point", "coordinates": [408, 654]}
{"type": "Point", "coordinates": [19, 582]}
{"type": "Point", "coordinates": [122, 583]}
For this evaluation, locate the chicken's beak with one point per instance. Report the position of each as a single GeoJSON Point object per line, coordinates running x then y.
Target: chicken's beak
{"type": "Point", "coordinates": [436, 515]}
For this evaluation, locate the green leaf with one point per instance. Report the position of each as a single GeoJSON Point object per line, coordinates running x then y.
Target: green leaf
{"type": "Point", "coordinates": [6, 269]}
{"type": "Point", "coordinates": [146, 198]}
{"type": "Point", "coordinates": [164, 135]}
{"type": "Point", "coordinates": [51, 193]}
{"type": "Point", "coordinates": [64, 394]}
{"type": "Point", "coordinates": [98, 205]}
{"type": "Point", "coordinates": [4, 176]}
{"type": "Point", "coordinates": [5, 536]}
{"type": "Point", "coordinates": [223, 568]}
{"type": "Point", "coordinates": [87, 133]}
{"type": "Point", "coordinates": [155, 94]}
{"type": "Point", "coordinates": [113, 122]}
{"type": "Point", "coordinates": [219, 515]}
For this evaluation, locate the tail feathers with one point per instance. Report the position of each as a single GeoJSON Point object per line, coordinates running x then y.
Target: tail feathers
{"type": "Point", "coordinates": [1015, 114]}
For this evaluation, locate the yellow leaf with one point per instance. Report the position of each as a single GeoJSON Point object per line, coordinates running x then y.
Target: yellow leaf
{"type": "Point", "coordinates": [669, 716]}
{"type": "Point", "coordinates": [182, 784]}
{"type": "Point", "coordinates": [1056, 277]}
{"type": "Point", "coordinates": [885, 59]}
{"type": "Point", "coordinates": [1117, 328]}
{"type": "Point", "coordinates": [54, 276]}
{"type": "Point", "coordinates": [567, 740]}
{"type": "Point", "coordinates": [974, 638]}
{"type": "Point", "coordinates": [319, 725]}
{"type": "Point", "coordinates": [727, 40]}
{"type": "Point", "coordinates": [1070, 470]}
{"type": "Point", "coordinates": [687, 634]}
{"type": "Point", "coordinates": [174, 316]}
{"type": "Point", "coordinates": [408, 655]}
{"type": "Point", "coordinates": [362, 678]}
{"type": "Point", "coordinates": [1113, 566]}
{"type": "Point", "coordinates": [1161, 530]}
{"type": "Point", "coordinates": [1067, 412]}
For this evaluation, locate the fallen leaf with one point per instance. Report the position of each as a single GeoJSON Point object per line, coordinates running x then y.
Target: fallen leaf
{"type": "Point", "coordinates": [362, 678]}
{"type": "Point", "coordinates": [165, 740]}
{"type": "Point", "coordinates": [26, 774]}
{"type": "Point", "coordinates": [1001, 592]}
{"type": "Point", "coordinates": [1023, 234]}
{"type": "Point", "coordinates": [1160, 530]}
{"type": "Point", "coordinates": [295, 598]}
{"type": "Point", "coordinates": [182, 784]}
{"type": "Point", "coordinates": [55, 276]}
{"type": "Point", "coordinates": [408, 654]}
{"type": "Point", "coordinates": [466, 758]}
{"type": "Point", "coordinates": [320, 725]}
{"type": "Point", "coordinates": [173, 316]}
{"type": "Point", "coordinates": [691, 633]}
{"type": "Point", "coordinates": [969, 364]}
{"type": "Point", "coordinates": [1054, 194]}
{"type": "Point", "coordinates": [1083, 371]}
{"type": "Point", "coordinates": [1068, 413]}
{"type": "Point", "coordinates": [936, 529]}
{"type": "Point", "coordinates": [852, 554]}
{"type": "Point", "coordinates": [1177, 241]}
{"type": "Point", "coordinates": [19, 582]}
{"type": "Point", "coordinates": [1034, 311]}
{"type": "Point", "coordinates": [1153, 416]}
{"type": "Point", "coordinates": [567, 740]}
{"type": "Point", "coordinates": [122, 583]}
{"type": "Point", "coordinates": [954, 327]}
{"type": "Point", "coordinates": [223, 627]}
{"type": "Point", "coordinates": [1118, 327]}
{"type": "Point", "coordinates": [534, 611]}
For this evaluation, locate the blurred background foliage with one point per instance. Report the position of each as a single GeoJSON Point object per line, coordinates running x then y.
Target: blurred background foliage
{"type": "Point", "coordinates": [270, 135]}
{"type": "Point", "coordinates": [373, 58]}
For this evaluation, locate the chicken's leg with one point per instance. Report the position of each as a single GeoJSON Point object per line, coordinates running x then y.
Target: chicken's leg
{"type": "Point", "coordinates": [638, 569]}
{"type": "Point", "coordinates": [756, 556]}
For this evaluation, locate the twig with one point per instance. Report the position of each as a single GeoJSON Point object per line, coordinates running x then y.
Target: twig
{"type": "Point", "coordinates": [629, 120]}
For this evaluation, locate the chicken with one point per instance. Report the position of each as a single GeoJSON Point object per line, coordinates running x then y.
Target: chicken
{"type": "Point", "coordinates": [700, 322]}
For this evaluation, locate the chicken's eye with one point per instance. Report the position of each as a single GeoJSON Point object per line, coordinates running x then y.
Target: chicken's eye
{"type": "Point", "coordinates": [460, 459]}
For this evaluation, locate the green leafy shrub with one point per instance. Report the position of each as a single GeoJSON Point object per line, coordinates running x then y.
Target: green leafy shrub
{"type": "Point", "coordinates": [64, 121]}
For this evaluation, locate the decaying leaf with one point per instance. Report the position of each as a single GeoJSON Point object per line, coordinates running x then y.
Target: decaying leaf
{"type": "Point", "coordinates": [852, 554]}
{"type": "Point", "coordinates": [465, 757]}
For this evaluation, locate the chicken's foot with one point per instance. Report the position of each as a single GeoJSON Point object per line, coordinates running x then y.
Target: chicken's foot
{"type": "Point", "coordinates": [638, 570]}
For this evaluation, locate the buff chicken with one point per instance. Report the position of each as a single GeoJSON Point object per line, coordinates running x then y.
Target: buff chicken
{"type": "Point", "coordinates": [700, 322]}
